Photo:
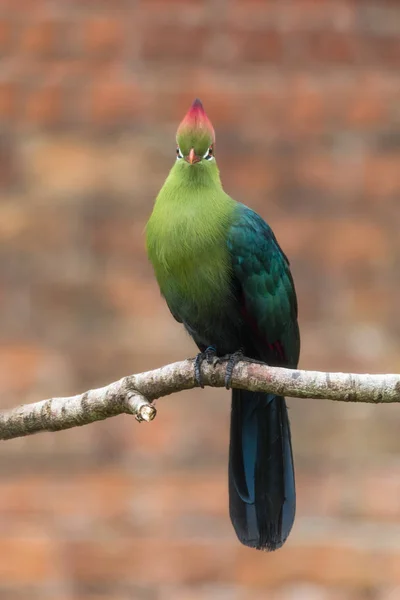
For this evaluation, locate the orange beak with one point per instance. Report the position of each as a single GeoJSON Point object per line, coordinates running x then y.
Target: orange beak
{"type": "Point", "coordinates": [192, 157]}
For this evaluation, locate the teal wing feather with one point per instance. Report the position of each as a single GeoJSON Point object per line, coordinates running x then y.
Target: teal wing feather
{"type": "Point", "coordinates": [264, 289]}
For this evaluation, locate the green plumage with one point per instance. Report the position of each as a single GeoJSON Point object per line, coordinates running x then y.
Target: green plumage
{"type": "Point", "coordinates": [186, 239]}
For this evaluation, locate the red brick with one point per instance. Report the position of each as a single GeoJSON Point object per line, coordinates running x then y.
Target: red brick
{"type": "Point", "coordinates": [365, 299]}
{"type": "Point", "coordinates": [61, 165]}
{"type": "Point", "coordinates": [304, 590]}
{"type": "Point", "coordinates": [253, 13]}
{"type": "Point", "coordinates": [38, 557]}
{"type": "Point", "coordinates": [226, 112]}
{"type": "Point", "coordinates": [170, 104]}
{"type": "Point", "coordinates": [304, 106]}
{"type": "Point", "coordinates": [117, 237]}
{"type": "Point", "coordinates": [6, 34]}
{"type": "Point", "coordinates": [346, 242]}
{"type": "Point", "coordinates": [103, 36]}
{"type": "Point", "coordinates": [169, 43]}
{"type": "Point", "coordinates": [182, 494]}
{"type": "Point", "coordinates": [321, 496]}
{"type": "Point", "coordinates": [338, 244]}
{"type": "Point", "coordinates": [155, 5]}
{"type": "Point", "coordinates": [384, 50]}
{"type": "Point", "coordinates": [159, 561]}
{"type": "Point", "coordinates": [259, 46]}
{"type": "Point", "coordinates": [9, 99]}
{"type": "Point", "coordinates": [106, 494]}
{"type": "Point", "coordinates": [72, 72]}
{"type": "Point", "coordinates": [13, 219]}
{"type": "Point", "coordinates": [366, 108]}
{"type": "Point", "coordinates": [262, 113]}
{"type": "Point", "coordinates": [94, 6]}
{"type": "Point", "coordinates": [157, 441]}
{"type": "Point", "coordinates": [292, 17]}
{"type": "Point", "coordinates": [380, 493]}
{"type": "Point", "coordinates": [331, 47]}
{"type": "Point", "coordinates": [371, 494]}
{"type": "Point", "coordinates": [19, 367]}
{"type": "Point", "coordinates": [317, 14]}
{"type": "Point", "coordinates": [23, 495]}
{"type": "Point", "coordinates": [105, 595]}
{"type": "Point", "coordinates": [329, 563]}
{"type": "Point", "coordinates": [44, 106]}
{"type": "Point", "coordinates": [173, 11]}
{"type": "Point", "coordinates": [42, 38]}
{"type": "Point", "coordinates": [40, 230]}
{"type": "Point", "coordinates": [253, 174]}
{"type": "Point", "coordinates": [381, 176]}
{"type": "Point", "coordinates": [123, 293]}
{"type": "Point", "coordinates": [315, 172]}
{"type": "Point", "coordinates": [111, 103]}
{"type": "Point", "coordinates": [14, 7]}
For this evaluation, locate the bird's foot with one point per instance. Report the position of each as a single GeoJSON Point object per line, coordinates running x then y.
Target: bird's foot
{"type": "Point", "coordinates": [210, 356]}
{"type": "Point", "coordinates": [233, 359]}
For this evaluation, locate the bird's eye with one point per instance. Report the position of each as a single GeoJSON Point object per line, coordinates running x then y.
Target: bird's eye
{"type": "Point", "coordinates": [209, 154]}
{"type": "Point", "coordinates": [178, 153]}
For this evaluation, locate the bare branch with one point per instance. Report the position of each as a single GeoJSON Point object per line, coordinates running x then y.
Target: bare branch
{"type": "Point", "coordinates": [134, 394]}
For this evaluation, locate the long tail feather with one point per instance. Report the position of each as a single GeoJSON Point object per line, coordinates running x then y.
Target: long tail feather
{"type": "Point", "coordinates": [262, 497]}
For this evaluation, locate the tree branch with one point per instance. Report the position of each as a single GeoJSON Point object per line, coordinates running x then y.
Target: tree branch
{"type": "Point", "coordinates": [134, 394]}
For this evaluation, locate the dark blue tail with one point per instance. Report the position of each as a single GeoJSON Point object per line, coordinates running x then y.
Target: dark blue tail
{"type": "Point", "coordinates": [262, 497]}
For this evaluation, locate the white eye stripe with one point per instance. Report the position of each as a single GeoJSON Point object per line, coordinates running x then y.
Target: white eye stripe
{"type": "Point", "coordinates": [208, 154]}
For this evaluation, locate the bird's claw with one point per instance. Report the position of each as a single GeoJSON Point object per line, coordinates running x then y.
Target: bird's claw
{"type": "Point", "coordinates": [233, 359]}
{"type": "Point", "coordinates": [209, 355]}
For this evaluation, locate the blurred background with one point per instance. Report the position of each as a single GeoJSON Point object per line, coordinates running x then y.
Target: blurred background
{"type": "Point", "coordinates": [305, 99]}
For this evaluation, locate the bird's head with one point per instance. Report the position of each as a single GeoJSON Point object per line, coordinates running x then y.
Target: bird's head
{"type": "Point", "coordinates": [195, 137]}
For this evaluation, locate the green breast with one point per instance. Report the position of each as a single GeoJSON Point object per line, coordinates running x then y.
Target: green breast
{"type": "Point", "coordinates": [186, 243]}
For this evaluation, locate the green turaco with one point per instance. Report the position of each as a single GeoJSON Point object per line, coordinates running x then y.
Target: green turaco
{"type": "Point", "coordinates": [225, 278]}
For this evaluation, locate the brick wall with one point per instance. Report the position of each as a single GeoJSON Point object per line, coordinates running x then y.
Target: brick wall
{"type": "Point", "coordinates": [304, 95]}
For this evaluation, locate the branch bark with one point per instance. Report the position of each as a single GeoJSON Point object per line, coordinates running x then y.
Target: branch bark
{"type": "Point", "coordinates": [134, 394]}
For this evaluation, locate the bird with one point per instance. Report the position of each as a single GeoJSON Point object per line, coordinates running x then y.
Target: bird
{"type": "Point", "coordinates": [224, 277]}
